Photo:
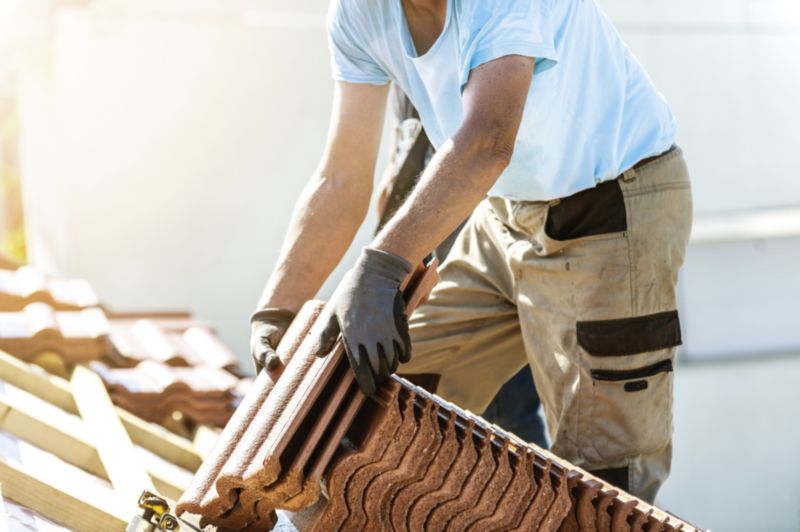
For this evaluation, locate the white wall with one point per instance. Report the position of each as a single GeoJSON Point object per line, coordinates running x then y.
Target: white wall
{"type": "Point", "coordinates": [164, 144]}
{"type": "Point", "coordinates": [736, 465]}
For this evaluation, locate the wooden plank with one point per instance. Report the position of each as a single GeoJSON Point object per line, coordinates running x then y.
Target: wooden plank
{"type": "Point", "coordinates": [158, 440]}
{"type": "Point", "coordinates": [205, 438]}
{"type": "Point", "coordinates": [65, 435]}
{"type": "Point", "coordinates": [35, 380]}
{"type": "Point", "coordinates": [48, 427]}
{"type": "Point", "coordinates": [60, 494]}
{"type": "Point", "coordinates": [124, 465]}
{"type": "Point", "coordinates": [57, 391]}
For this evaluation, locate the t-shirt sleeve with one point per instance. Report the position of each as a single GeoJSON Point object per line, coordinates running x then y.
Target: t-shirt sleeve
{"type": "Point", "coordinates": [508, 27]}
{"type": "Point", "coordinates": [349, 58]}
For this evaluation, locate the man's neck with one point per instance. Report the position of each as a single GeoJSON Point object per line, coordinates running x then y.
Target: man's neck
{"type": "Point", "coordinates": [425, 21]}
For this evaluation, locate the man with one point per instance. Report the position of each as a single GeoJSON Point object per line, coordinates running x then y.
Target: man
{"type": "Point", "coordinates": [553, 140]}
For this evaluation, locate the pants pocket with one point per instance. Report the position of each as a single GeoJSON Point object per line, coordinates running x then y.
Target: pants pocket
{"type": "Point", "coordinates": [631, 367]}
{"type": "Point", "coordinates": [632, 416]}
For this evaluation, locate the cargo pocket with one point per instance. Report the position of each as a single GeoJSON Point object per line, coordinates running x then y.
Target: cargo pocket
{"type": "Point", "coordinates": [631, 367]}
{"type": "Point", "coordinates": [594, 213]}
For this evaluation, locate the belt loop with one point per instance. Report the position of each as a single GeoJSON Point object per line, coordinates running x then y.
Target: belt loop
{"type": "Point", "coordinates": [629, 175]}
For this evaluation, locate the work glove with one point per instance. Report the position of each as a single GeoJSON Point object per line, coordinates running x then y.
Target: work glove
{"type": "Point", "coordinates": [267, 327]}
{"type": "Point", "coordinates": [368, 309]}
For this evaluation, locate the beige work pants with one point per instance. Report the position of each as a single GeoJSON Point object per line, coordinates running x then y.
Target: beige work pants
{"type": "Point", "coordinates": [583, 290]}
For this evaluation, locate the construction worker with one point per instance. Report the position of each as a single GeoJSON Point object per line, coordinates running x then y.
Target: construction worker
{"type": "Point", "coordinates": [553, 140]}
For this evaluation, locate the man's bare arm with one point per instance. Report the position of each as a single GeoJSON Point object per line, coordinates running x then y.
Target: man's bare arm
{"type": "Point", "coordinates": [334, 203]}
{"type": "Point", "coordinates": [467, 166]}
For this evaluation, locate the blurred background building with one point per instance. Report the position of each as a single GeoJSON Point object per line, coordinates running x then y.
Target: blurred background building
{"type": "Point", "coordinates": [160, 145]}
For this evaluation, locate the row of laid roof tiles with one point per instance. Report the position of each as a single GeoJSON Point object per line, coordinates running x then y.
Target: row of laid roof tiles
{"type": "Point", "coordinates": [25, 284]}
{"type": "Point", "coordinates": [152, 390]}
{"type": "Point", "coordinates": [169, 361]}
{"type": "Point", "coordinates": [412, 461]}
{"type": "Point", "coordinates": [89, 334]}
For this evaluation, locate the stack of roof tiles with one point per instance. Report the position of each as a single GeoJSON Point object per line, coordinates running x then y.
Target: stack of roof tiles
{"type": "Point", "coordinates": [152, 390]}
{"type": "Point", "coordinates": [26, 285]}
{"type": "Point", "coordinates": [402, 460]}
{"type": "Point", "coordinates": [172, 340]}
{"type": "Point", "coordinates": [37, 329]}
{"type": "Point", "coordinates": [170, 361]}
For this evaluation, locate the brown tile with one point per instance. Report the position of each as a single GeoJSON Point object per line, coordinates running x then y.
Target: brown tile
{"type": "Point", "coordinates": [378, 497]}
{"type": "Point", "coordinates": [248, 454]}
{"type": "Point", "coordinates": [561, 504]}
{"type": "Point", "coordinates": [620, 511]}
{"type": "Point", "coordinates": [360, 482]}
{"type": "Point", "coordinates": [541, 502]}
{"type": "Point", "coordinates": [310, 456]}
{"type": "Point", "coordinates": [512, 503]}
{"type": "Point", "coordinates": [471, 490]}
{"type": "Point", "coordinates": [176, 342]}
{"type": "Point", "coordinates": [604, 501]}
{"type": "Point", "coordinates": [490, 497]}
{"type": "Point", "coordinates": [312, 488]}
{"type": "Point", "coordinates": [76, 336]}
{"type": "Point", "coordinates": [381, 419]}
{"type": "Point", "coordinates": [585, 512]}
{"type": "Point", "coordinates": [25, 284]}
{"type": "Point", "coordinates": [290, 413]}
{"type": "Point", "coordinates": [570, 521]}
{"type": "Point", "coordinates": [463, 465]}
{"type": "Point", "coordinates": [654, 524]}
{"type": "Point", "coordinates": [639, 520]}
{"type": "Point", "coordinates": [201, 496]}
{"type": "Point", "coordinates": [433, 476]}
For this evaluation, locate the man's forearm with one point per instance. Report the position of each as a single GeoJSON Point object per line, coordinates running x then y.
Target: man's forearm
{"type": "Point", "coordinates": [455, 181]}
{"type": "Point", "coordinates": [324, 222]}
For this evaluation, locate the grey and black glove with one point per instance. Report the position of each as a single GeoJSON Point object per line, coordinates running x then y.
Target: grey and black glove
{"type": "Point", "coordinates": [267, 327]}
{"type": "Point", "coordinates": [368, 309]}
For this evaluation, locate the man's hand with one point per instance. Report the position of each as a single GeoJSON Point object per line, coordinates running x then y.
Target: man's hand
{"type": "Point", "coordinates": [369, 310]}
{"type": "Point", "coordinates": [267, 328]}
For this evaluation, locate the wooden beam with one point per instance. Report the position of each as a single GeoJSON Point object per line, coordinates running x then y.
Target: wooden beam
{"type": "Point", "coordinates": [205, 438]}
{"type": "Point", "coordinates": [65, 435]}
{"type": "Point", "coordinates": [62, 495]}
{"type": "Point", "coordinates": [58, 392]}
{"type": "Point", "coordinates": [124, 465]}
{"type": "Point", "coordinates": [48, 427]}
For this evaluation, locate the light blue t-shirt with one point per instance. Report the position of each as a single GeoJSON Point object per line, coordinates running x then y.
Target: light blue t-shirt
{"type": "Point", "coordinates": [592, 112]}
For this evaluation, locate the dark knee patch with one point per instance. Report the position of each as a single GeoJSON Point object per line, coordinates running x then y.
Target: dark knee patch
{"type": "Point", "coordinates": [629, 336]}
{"type": "Point", "coordinates": [426, 381]}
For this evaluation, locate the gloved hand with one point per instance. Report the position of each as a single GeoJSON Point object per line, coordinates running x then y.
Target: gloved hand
{"type": "Point", "coordinates": [369, 310]}
{"type": "Point", "coordinates": [267, 327]}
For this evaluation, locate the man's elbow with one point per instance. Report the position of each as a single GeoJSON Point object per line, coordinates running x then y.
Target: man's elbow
{"type": "Point", "coordinates": [492, 143]}
{"type": "Point", "coordinates": [501, 150]}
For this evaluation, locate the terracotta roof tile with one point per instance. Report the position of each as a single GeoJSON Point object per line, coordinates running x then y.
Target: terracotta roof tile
{"type": "Point", "coordinates": [380, 495]}
{"type": "Point", "coordinates": [430, 479]}
{"type": "Point", "coordinates": [176, 342]}
{"type": "Point", "coordinates": [26, 285]}
{"type": "Point", "coordinates": [153, 391]}
{"type": "Point", "coordinates": [76, 336]}
{"type": "Point", "coordinates": [202, 497]}
{"type": "Point", "coordinates": [370, 447]}
{"type": "Point", "coordinates": [459, 471]}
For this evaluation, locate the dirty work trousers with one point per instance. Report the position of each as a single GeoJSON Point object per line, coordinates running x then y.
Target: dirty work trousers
{"type": "Point", "coordinates": [583, 290]}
